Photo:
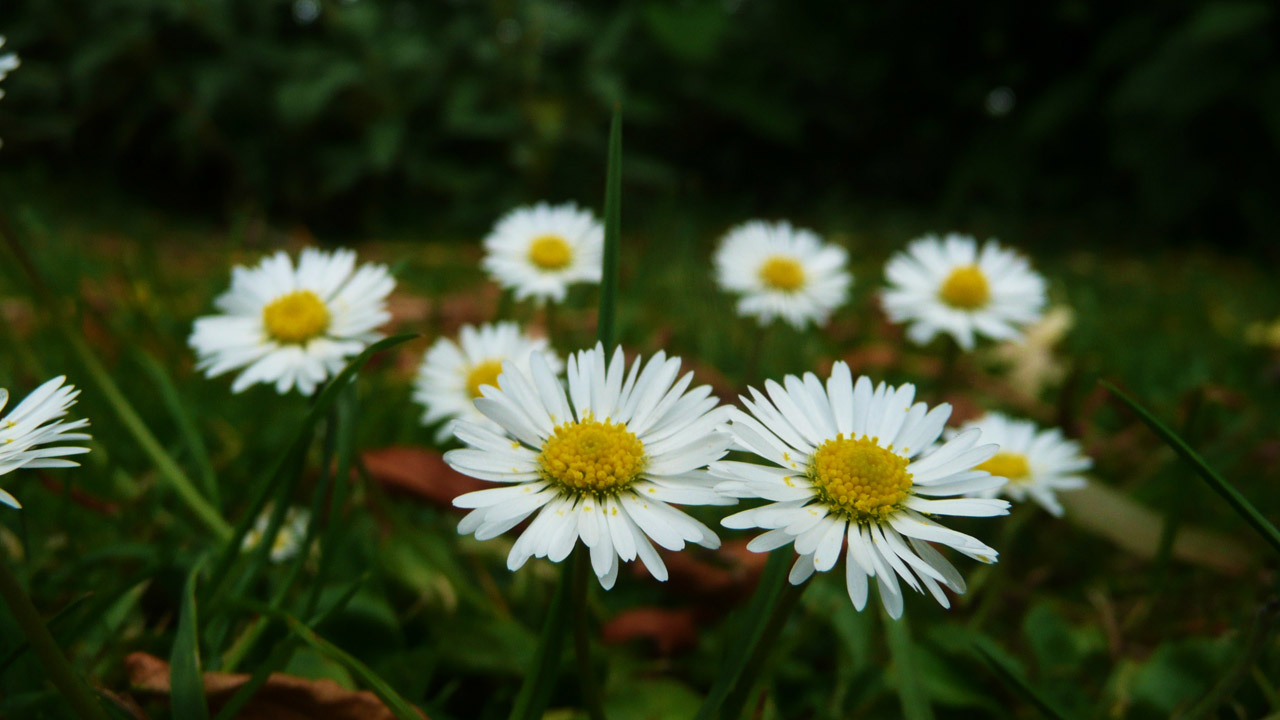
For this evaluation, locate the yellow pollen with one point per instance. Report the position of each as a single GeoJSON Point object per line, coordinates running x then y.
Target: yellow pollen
{"type": "Point", "coordinates": [550, 252]}
{"type": "Point", "coordinates": [296, 317]}
{"type": "Point", "coordinates": [858, 479]}
{"type": "Point", "coordinates": [782, 273]}
{"type": "Point", "coordinates": [591, 457]}
{"type": "Point", "coordinates": [1009, 465]}
{"type": "Point", "coordinates": [483, 373]}
{"type": "Point", "coordinates": [965, 288]}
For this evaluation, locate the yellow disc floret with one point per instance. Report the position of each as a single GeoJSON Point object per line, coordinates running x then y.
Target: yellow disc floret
{"type": "Point", "coordinates": [859, 479]}
{"type": "Point", "coordinates": [296, 317]}
{"type": "Point", "coordinates": [965, 288]}
{"type": "Point", "coordinates": [591, 457]}
{"type": "Point", "coordinates": [483, 373]}
{"type": "Point", "coordinates": [1009, 465]}
{"type": "Point", "coordinates": [782, 273]}
{"type": "Point", "coordinates": [550, 252]}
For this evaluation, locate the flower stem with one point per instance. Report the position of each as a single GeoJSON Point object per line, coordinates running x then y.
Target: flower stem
{"type": "Point", "coordinates": [788, 598]}
{"type": "Point", "coordinates": [582, 639]}
{"type": "Point", "coordinates": [59, 670]}
{"type": "Point", "coordinates": [535, 691]}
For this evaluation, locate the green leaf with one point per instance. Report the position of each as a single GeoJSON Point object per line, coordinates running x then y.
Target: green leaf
{"type": "Point", "coordinates": [612, 235]}
{"type": "Point", "coordinates": [1237, 501]}
{"type": "Point", "coordinates": [186, 425]}
{"type": "Point", "coordinates": [185, 679]}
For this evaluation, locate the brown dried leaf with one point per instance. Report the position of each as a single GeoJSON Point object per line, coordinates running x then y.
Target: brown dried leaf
{"type": "Point", "coordinates": [282, 697]}
{"type": "Point", "coordinates": [670, 631]}
{"type": "Point", "coordinates": [420, 473]}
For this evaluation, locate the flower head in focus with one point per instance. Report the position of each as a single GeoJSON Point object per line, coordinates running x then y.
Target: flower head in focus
{"type": "Point", "coordinates": [538, 251]}
{"type": "Point", "coordinates": [293, 326]}
{"type": "Point", "coordinates": [849, 469]}
{"type": "Point", "coordinates": [602, 464]}
{"type": "Point", "coordinates": [28, 431]}
{"type": "Point", "coordinates": [782, 272]}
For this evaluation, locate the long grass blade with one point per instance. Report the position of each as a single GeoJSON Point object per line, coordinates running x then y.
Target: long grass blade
{"type": "Point", "coordinates": [612, 236]}
{"type": "Point", "coordinates": [902, 649]}
{"type": "Point", "coordinates": [186, 425]}
{"type": "Point", "coordinates": [53, 623]}
{"type": "Point", "coordinates": [1015, 682]}
{"type": "Point", "coordinates": [1233, 497]}
{"type": "Point", "coordinates": [186, 682]}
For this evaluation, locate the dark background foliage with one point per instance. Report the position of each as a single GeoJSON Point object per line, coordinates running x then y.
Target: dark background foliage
{"type": "Point", "coordinates": [1158, 120]}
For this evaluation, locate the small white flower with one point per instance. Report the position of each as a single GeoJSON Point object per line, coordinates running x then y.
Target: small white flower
{"type": "Point", "coordinates": [452, 373]}
{"type": "Point", "coordinates": [1037, 462]}
{"type": "Point", "coordinates": [8, 63]}
{"type": "Point", "coordinates": [288, 541]}
{"type": "Point", "coordinates": [539, 251]}
{"type": "Point", "coordinates": [292, 326]}
{"type": "Point", "coordinates": [782, 272]}
{"type": "Point", "coordinates": [950, 286]}
{"type": "Point", "coordinates": [35, 422]}
{"type": "Point", "coordinates": [600, 465]}
{"type": "Point", "coordinates": [851, 463]}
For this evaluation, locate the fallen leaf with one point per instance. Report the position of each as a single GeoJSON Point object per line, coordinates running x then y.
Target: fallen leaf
{"type": "Point", "coordinates": [282, 697]}
{"type": "Point", "coordinates": [420, 473]}
{"type": "Point", "coordinates": [671, 631]}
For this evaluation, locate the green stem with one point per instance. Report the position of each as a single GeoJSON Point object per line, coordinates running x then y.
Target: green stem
{"type": "Point", "coordinates": [788, 598]}
{"type": "Point", "coordinates": [950, 370]}
{"type": "Point", "coordinates": [535, 691]}
{"type": "Point", "coordinates": [582, 638]}
{"type": "Point", "coordinates": [59, 670]}
{"type": "Point", "coordinates": [612, 235]}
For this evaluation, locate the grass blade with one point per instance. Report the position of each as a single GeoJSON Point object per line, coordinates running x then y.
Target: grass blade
{"type": "Point", "coordinates": [186, 425]}
{"type": "Point", "coordinates": [54, 621]}
{"type": "Point", "coordinates": [1237, 501]}
{"type": "Point", "coordinates": [186, 683]}
{"type": "Point", "coordinates": [1015, 682]}
{"type": "Point", "coordinates": [612, 235]}
{"type": "Point", "coordinates": [915, 701]}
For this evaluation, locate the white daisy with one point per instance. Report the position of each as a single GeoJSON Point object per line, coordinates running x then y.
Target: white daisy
{"type": "Point", "coordinates": [782, 272]}
{"type": "Point", "coordinates": [1036, 462]}
{"type": "Point", "coordinates": [288, 541]}
{"type": "Point", "coordinates": [35, 422]}
{"type": "Point", "coordinates": [293, 326]}
{"type": "Point", "coordinates": [8, 63]}
{"type": "Point", "coordinates": [948, 285]}
{"type": "Point", "coordinates": [849, 462]}
{"type": "Point", "coordinates": [601, 464]}
{"type": "Point", "coordinates": [452, 373]}
{"type": "Point", "coordinates": [538, 251]}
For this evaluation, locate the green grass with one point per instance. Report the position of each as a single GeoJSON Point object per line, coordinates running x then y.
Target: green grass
{"type": "Point", "coordinates": [1092, 629]}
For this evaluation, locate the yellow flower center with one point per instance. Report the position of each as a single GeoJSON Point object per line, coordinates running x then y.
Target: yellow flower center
{"type": "Point", "coordinates": [550, 252]}
{"type": "Point", "coordinates": [965, 288]}
{"type": "Point", "coordinates": [1010, 465]}
{"type": "Point", "coordinates": [782, 273]}
{"type": "Point", "coordinates": [483, 373]}
{"type": "Point", "coordinates": [859, 479]}
{"type": "Point", "coordinates": [296, 317]}
{"type": "Point", "coordinates": [591, 457]}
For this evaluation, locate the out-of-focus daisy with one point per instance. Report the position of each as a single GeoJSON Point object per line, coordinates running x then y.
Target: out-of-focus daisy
{"type": "Point", "coordinates": [782, 272]}
{"type": "Point", "coordinates": [1038, 463]}
{"type": "Point", "coordinates": [537, 252]}
{"type": "Point", "coordinates": [8, 63]}
{"type": "Point", "coordinates": [452, 373]}
{"type": "Point", "coordinates": [951, 286]}
{"type": "Point", "coordinates": [288, 540]}
{"type": "Point", "coordinates": [600, 465]}
{"type": "Point", "coordinates": [1033, 365]}
{"type": "Point", "coordinates": [34, 423]}
{"type": "Point", "coordinates": [852, 463]}
{"type": "Point", "coordinates": [293, 326]}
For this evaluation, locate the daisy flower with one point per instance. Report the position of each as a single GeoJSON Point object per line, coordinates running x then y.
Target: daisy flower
{"type": "Point", "coordinates": [600, 465]}
{"type": "Point", "coordinates": [8, 63]}
{"type": "Point", "coordinates": [782, 272]}
{"type": "Point", "coordinates": [849, 462]}
{"type": "Point", "coordinates": [1037, 462]}
{"type": "Point", "coordinates": [951, 286]}
{"type": "Point", "coordinates": [293, 326]}
{"type": "Point", "coordinates": [452, 373]}
{"type": "Point", "coordinates": [539, 251]}
{"type": "Point", "coordinates": [35, 422]}
{"type": "Point", "coordinates": [288, 540]}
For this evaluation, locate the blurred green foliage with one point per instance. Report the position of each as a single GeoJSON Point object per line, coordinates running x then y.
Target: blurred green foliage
{"type": "Point", "coordinates": [1163, 118]}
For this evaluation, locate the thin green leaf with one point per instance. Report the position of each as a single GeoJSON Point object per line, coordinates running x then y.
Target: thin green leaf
{"type": "Point", "coordinates": [612, 235]}
{"type": "Point", "coordinates": [186, 424]}
{"type": "Point", "coordinates": [1018, 684]}
{"type": "Point", "coordinates": [915, 702]}
{"type": "Point", "coordinates": [535, 691]}
{"type": "Point", "coordinates": [347, 411]}
{"type": "Point", "coordinates": [1237, 501]}
{"type": "Point", "coordinates": [53, 623]}
{"type": "Point", "coordinates": [301, 438]}
{"type": "Point", "coordinates": [186, 683]}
